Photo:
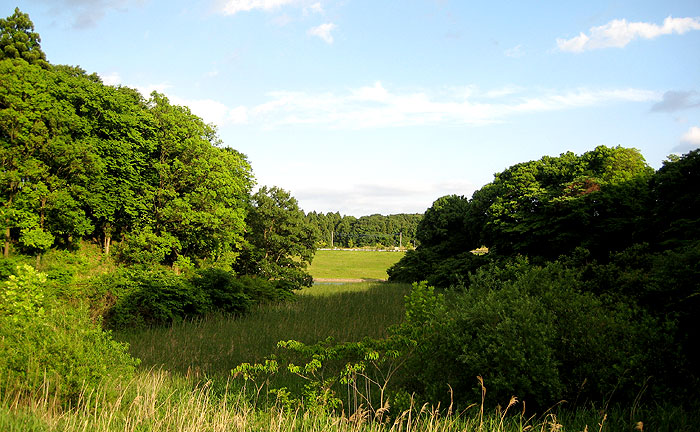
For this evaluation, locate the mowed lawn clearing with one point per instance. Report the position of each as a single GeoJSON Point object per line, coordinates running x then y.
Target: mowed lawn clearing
{"type": "Point", "coordinates": [352, 264]}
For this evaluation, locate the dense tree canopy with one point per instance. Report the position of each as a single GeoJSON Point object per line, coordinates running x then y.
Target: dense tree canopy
{"type": "Point", "coordinates": [79, 159]}
{"type": "Point", "coordinates": [591, 277]}
{"type": "Point", "coordinates": [600, 200]}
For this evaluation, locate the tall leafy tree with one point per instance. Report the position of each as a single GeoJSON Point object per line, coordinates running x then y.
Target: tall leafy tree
{"type": "Point", "coordinates": [280, 244]}
{"type": "Point", "coordinates": [199, 190]}
{"type": "Point", "coordinates": [38, 155]}
{"type": "Point", "coordinates": [18, 40]}
{"type": "Point", "coordinates": [542, 208]}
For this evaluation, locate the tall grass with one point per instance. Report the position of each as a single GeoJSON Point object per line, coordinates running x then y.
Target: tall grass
{"type": "Point", "coordinates": [157, 401]}
{"type": "Point", "coordinates": [189, 389]}
{"type": "Point", "coordinates": [213, 346]}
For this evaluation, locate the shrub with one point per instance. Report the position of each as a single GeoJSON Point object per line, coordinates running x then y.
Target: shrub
{"type": "Point", "coordinates": [42, 340]}
{"type": "Point", "coordinates": [532, 332]}
{"type": "Point", "coordinates": [225, 292]}
{"type": "Point", "coordinates": [23, 294]}
{"type": "Point", "coordinates": [152, 297]}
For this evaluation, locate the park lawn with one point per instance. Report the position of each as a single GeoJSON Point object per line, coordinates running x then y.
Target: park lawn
{"type": "Point", "coordinates": [353, 264]}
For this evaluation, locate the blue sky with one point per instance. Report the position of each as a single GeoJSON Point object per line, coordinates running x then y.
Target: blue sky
{"type": "Point", "coordinates": [380, 106]}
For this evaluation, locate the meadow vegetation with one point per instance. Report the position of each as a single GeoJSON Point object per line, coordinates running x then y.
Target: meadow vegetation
{"type": "Point", "coordinates": [351, 264]}
{"type": "Point", "coordinates": [143, 286]}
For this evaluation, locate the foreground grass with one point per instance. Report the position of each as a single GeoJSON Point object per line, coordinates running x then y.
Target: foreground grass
{"type": "Point", "coordinates": [213, 346]}
{"type": "Point", "coordinates": [347, 264]}
{"type": "Point", "coordinates": [190, 391]}
{"type": "Point", "coordinates": [157, 401]}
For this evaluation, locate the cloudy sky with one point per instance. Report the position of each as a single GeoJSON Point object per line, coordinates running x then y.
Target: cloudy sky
{"type": "Point", "coordinates": [382, 106]}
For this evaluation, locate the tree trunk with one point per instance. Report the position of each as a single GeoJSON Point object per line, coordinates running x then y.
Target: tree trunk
{"type": "Point", "coordinates": [107, 230]}
{"type": "Point", "coordinates": [6, 248]}
{"type": "Point", "coordinates": [107, 243]}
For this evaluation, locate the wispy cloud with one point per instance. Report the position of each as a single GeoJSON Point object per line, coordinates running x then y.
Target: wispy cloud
{"type": "Point", "coordinates": [619, 33]}
{"type": "Point", "coordinates": [87, 13]}
{"type": "Point", "coordinates": [323, 31]}
{"type": "Point", "coordinates": [231, 7]}
{"type": "Point", "coordinates": [515, 52]}
{"type": "Point", "coordinates": [111, 78]}
{"type": "Point", "coordinates": [676, 101]}
{"type": "Point", "coordinates": [386, 197]}
{"type": "Point", "coordinates": [314, 8]}
{"type": "Point", "coordinates": [376, 106]}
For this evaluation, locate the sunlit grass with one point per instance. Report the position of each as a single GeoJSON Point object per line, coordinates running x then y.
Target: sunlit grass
{"type": "Point", "coordinates": [346, 264]}
{"type": "Point", "coordinates": [157, 401]}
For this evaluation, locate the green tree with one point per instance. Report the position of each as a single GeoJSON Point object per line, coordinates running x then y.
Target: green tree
{"type": "Point", "coordinates": [197, 207]}
{"type": "Point", "coordinates": [543, 208]}
{"type": "Point", "coordinates": [676, 202]}
{"type": "Point", "coordinates": [280, 244]}
{"type": "Point", "coordinates": [18, 40]}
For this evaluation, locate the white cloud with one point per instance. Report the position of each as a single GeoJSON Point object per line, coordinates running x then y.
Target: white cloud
{"type": "Point", "coordinates": [314, 8]}
{"type": "Point", "coordinates": [209, 110]}
{"type": "Point", "coordinates": [231, 7]}
{"type": "Point", "coordinates": [238, 115]}
{"type": "Point", "coordinates": [376, 106]}
{"type": "Point", "coordinates": [386, 197]}
{"type": "Point", "coordinates": [112, 79]}
{"type": "Point", "coordinates": [323, 31]}
{"type": "Point", "coordinates": [148, 89]}
{"type": "Point", "coordinates": [692, 136]}
{"type": "Point", "coordinates": [689, 141]}
{"type": "Point", "coordinates": [618, 33]}
{"type": "Point", "coordinates": [515, 52]}
{"type": "Point", "coordinates": [376, 93]}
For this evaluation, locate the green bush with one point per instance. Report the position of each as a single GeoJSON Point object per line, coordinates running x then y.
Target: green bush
{"type": "Point", "coordinates": [8, 266]}
{"type": "Point", "coordinates": [261, 290]}
{"type": "Point", "coordinates": [139, 297]}
{"type": "Point", "coordinates": [23, 295]}
{"type": "Point", "coordinates": [225, 292]}
{"type": "Point", "coordinates": [529, 331]}
{"type": "Point", "coordinates": [43, 341]}
{"type": "Point", "coordinates": [152, 297]}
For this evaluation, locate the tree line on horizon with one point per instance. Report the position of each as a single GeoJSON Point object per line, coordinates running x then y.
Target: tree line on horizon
{"type": "Point", "coordinates": [390, 231]}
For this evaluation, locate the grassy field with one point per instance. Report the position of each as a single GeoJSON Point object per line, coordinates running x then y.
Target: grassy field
{"type": "Point", "coordinates": [184, 382]}
{"type": "Point", "coordinates": [157, 401]}
{"type": "Point", "coordinates": [213, 346]}
{"type": "Point", "coordinates": [347, 264]}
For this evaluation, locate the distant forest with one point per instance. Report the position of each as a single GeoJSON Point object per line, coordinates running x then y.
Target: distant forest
{"type": "Point", "coordinates": [334, 230]}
